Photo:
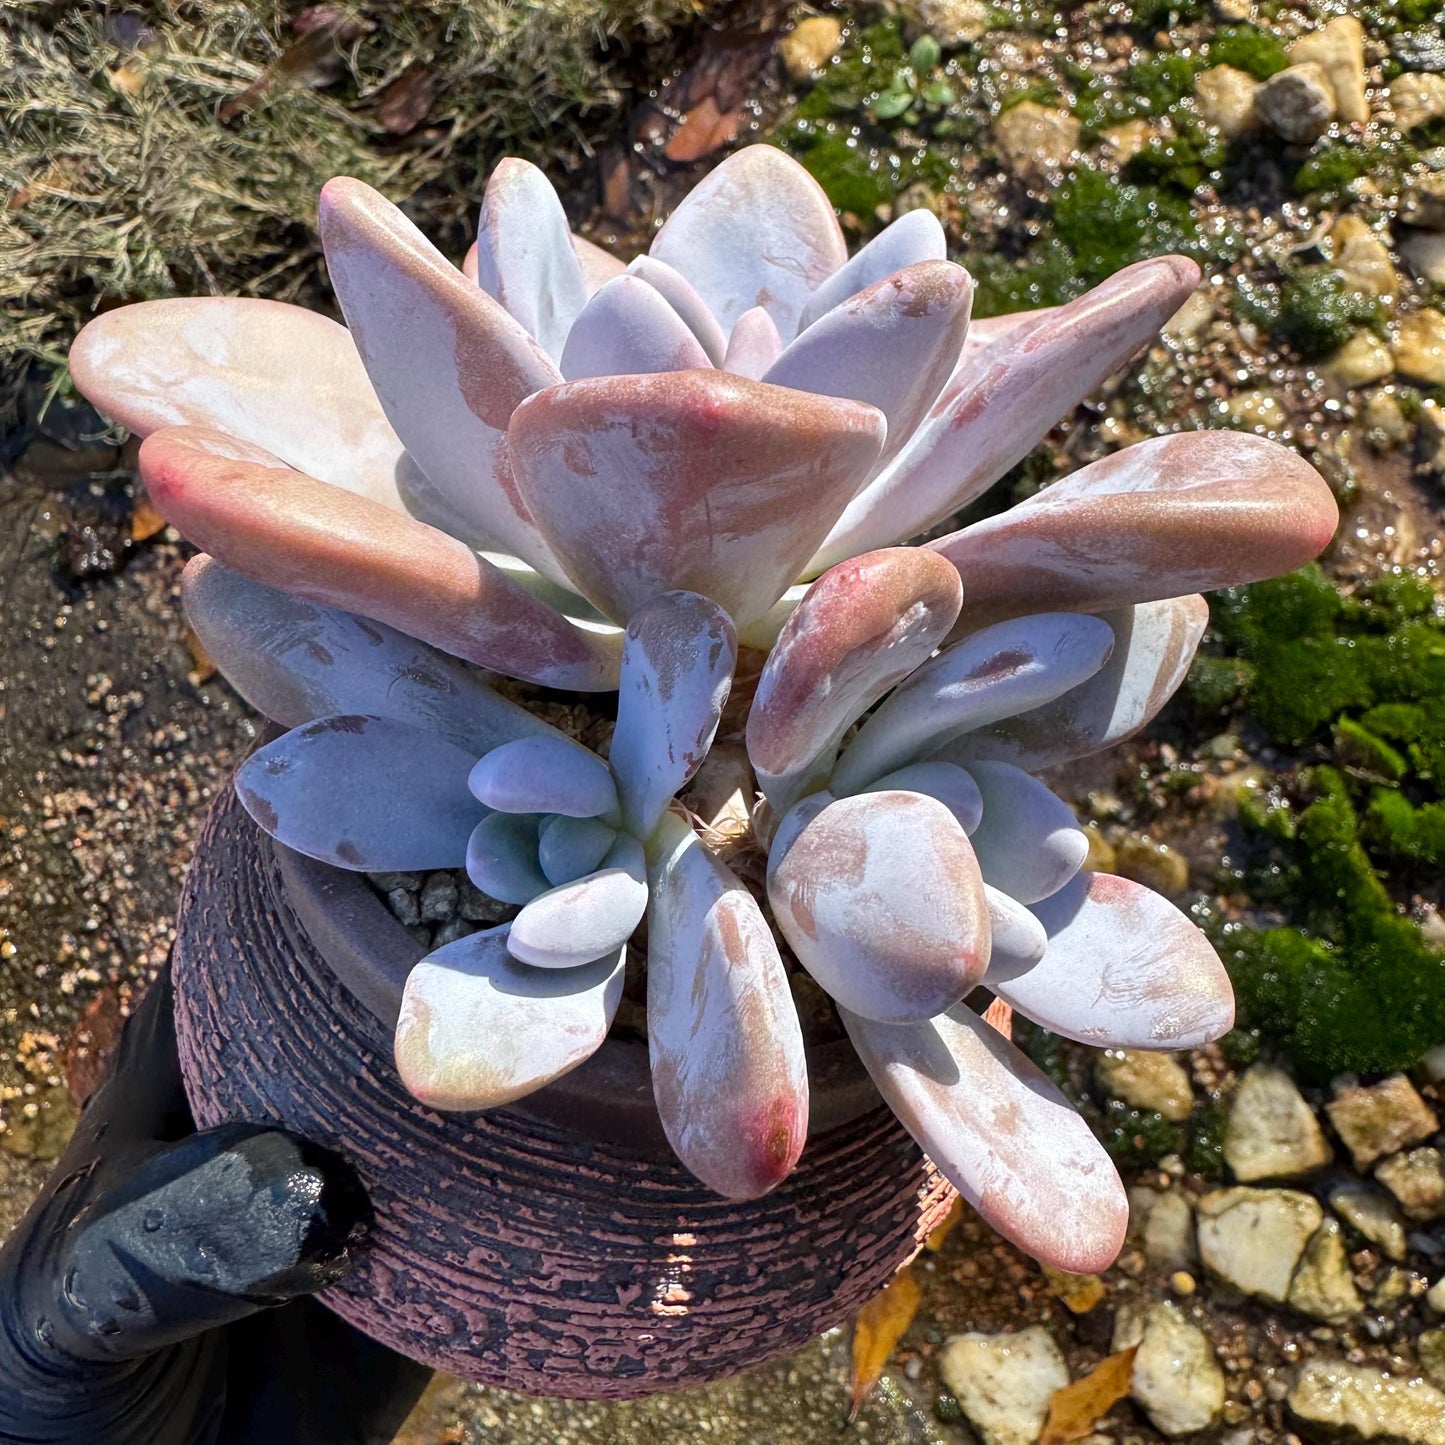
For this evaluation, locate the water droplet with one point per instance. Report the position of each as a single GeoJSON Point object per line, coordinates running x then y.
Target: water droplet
{"type": "Point", "coordinates": [153, 1220]}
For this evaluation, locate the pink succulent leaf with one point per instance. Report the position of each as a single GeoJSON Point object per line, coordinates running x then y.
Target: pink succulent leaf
{"type": "Point", "coordinates": [1155, 643]}
{"type": "Point", "coordinates": [756, 231]}
{"type": "Point", "coordinates": [587, 918]}
{"type": "Point", "coordinates": [1018, 938]}
{"type": "Point", "coordinates": [692, 480]}
{"type": "Point", "coordinates": [1177, 514]}
{"type": "Point", "coordinates": [997, 409]}
{"type": "Point", "coordinates": [545, 774]}
{"type": "Point", "coordinates": [469, 264]}
{"type": "Point", "coordinates": [1002, 1134]}
{"type": "Point", "coordinates": [526, 255]}
{"type": "Point", "coordinates": [599, 266]}
{"type": "Point", "coordinates": [754, 345]}
{"type": "Point", "coordinates": [677, 668]}
{"type": "Point", "coordinates": [502, 857]}
{"type": "Point", "coordinates": [415, 812]}
{"type": "Point", "coordinates": [448, 363]}
{"type": "Point", "coordinates": [880, 898]}
{"type": "Point", "coordinates": [627, 327]}
{"type": "Point", "coordinates": [478, 1028]}
{"type": "Point", "coordinates": [1124, 968]}
{"type": "Point", "coordinates": [947, 782]}
{"type": "Point", "coordinates": [678, 292]}
{"type": "Point", "coordinates": [728, 1069]}
{"type": "Point", "coordinates": [287, 530]}
{"type": "Point", "coordinates": [279, 377]}
{"type": "Point", "coordinates": [1006, 669]}
{"type": "Point", "coordinates": [986, 331]}
{"type": "Point", "coordinates": [859, 630]}
{"type": "Point", "coordinates": [1028, 843]}
{"type": "Point", "coordinates": [915, 236]}
{"type": "Point", "coordinates": [295, 660]}
{"type": "Point", "coordinates": [570, 848]}
{"type": "Point", "coordinates": [893, 344]}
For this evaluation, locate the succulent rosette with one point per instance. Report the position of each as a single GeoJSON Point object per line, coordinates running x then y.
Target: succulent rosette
{"type": "Point", "coordinates": [589, 475]}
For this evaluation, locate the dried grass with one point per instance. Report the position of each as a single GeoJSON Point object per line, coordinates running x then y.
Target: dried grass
{"type": "Point", "coordinates": [120, 182]}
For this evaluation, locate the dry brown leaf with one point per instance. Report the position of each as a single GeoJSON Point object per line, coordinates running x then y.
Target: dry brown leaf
{"type": "Point", "coordinates": [1077, 1408]}
{"type": "Point", "coordinates": [878, 1328]}
{"type": "Point", "coordinates": [1079, 1292]}
{"type": "Point", "coordinates": [145, 521]}
{"type": "Point", "coordinates": [204, 669]}
{"type": "Point", "coordinates": [934, 1242]}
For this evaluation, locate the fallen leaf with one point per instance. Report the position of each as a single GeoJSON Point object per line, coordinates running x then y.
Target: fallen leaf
{"type": "Point", "coordinates": [1000, 1017]}
{"type": "Point", "coordinates": [204, 668]}
{"type": "Point", "coordinates": [934, 1242]}
{"type": "Point", "coordinates": [406, 101]}
{"type": "Point", "coordinates": [878, 1328]}
{"type": "Point", "coordinates": [1078, 1407]}
{"type": "Point", "coordinates": [1079, 1292]}
{"type": "Point", "coordinates": [145, 521]}
{"type": "Point", "coordinates": [314, 61]}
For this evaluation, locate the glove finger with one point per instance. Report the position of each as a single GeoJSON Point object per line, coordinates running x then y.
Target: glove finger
{"type": "Point", "coordinates": [205, 1232]}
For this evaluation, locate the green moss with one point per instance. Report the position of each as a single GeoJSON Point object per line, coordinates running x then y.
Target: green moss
{"type": "Point", "coordinates": [1151, 87]}
{"type": "Point", "coordinates": [1135, 1138]}
{"type": "Point", "coordinates": [1356, 746]}
{"type": "Point", "coordinates": [1204, 1145]}
{"type": "Point", "coordinates": [1330, 169]}
{"type": "Point", "coordinates": [1161, 14]}
{"type": "Point", "coordinates": [1310, 310]}
{"type": "Point", "coordinates": [1246, 47]}
{"type": "Point", "coordinates": [1046, 275]}
{"type": "Point", "coordinates": [1108, 224]}
{"type": "Point", "coordinates": [853, 179]}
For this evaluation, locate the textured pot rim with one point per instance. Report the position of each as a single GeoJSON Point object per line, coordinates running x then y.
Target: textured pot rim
{"type": "Point", "coordinates": [610, 1095]}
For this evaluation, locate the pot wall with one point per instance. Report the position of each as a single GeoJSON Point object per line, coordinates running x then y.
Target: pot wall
{"type": "Point", "coordinates": [517, 1248]}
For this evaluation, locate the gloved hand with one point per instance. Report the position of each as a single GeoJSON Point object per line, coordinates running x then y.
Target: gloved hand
{"type": "Point", "coordinates": [134, 1295]}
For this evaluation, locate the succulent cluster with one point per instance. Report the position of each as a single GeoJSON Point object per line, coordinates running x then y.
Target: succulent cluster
{"type": "Point", "coordinates": [592, 475]}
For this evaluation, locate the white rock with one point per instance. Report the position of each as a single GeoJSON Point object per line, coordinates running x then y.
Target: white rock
{"type": "Point", "coordinates": [1339, 50]}
{"type": "Point", "coordinates": [808, 47]}
{"type": "Point", "coordinates": [1373, 1215]}
{"type": "Point", "coordinates": [1252, 1239]}
{"type": "Point", "coordinates": [1417, 1180]}
{"type": "Point", "coordinates": [1381, 1119]}
{"type": "Point", "coordinates": [1435, 1296]}
{"type": "Point", "coordinates": [1225, 97]}
{"type": "Point", "coordinates": [1424, 254]}
{"type": "Point", "coordinates": [950, 22]}
{"type": "Point", "coordinates": [1420, 347]}
{"type": "Point", "coordinates": [1035, 141]}
{"type": "Point", "coordinates": [1362, 258]}
{"type": "Point", "coordinates": [1272, 1132]}
{"type": "Point", "coordinates": [1323, 1287]}
{"type": "Point", "coordinates": [1335, 1401]}
{"type": "Point", "coordinates": [1298, 104]}
{"type": "Point", "coordinates": [1004, 1382]}
{"type": "Point", "coordinates": [1167, 1232]}
{"type": "Point", "coordinates": [1417, 99]}
{"type": "Point", "coordinates": [1177, 1380]}
{"type": "Point", "coordinates": [1156, 1082]}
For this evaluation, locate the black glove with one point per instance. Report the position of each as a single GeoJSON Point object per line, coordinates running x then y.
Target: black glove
{"type": "Point", "coordinates": [134, 1294]}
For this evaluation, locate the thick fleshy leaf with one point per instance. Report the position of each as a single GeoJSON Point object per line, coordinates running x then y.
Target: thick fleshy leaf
{"type": "Point", "coordinates": [915, 236]}
{"type": "Point", "coordinates": [755, 231]}
{"type": "Point", "coordinates": [366, 793]}
{"type": "Point", "coordinates": [680, 294]}
{"type": "Point", "coordinates": [478, 1028]}
{"type": "Point", "coordinates": [947, 782]}
{"type": "Point", "coordinates": [998, 408]}
{"type": "Point", "coordinates": [526, 256]}
{"type": "Point", "coordinates": [893, 345]}
{"type": "Point", "coordinates": [295, 660]}
{"type": "Point", "coordinates": [1028, 844]}
{"type": "Point", "coordinates": [448, 363]}
{"type": "Point", "coordinates": [1177, 514]}
{"type": "Point", "coordinates": [1002, 1134]}
{"type": "Point", "coordinates": [570, 848]}
{"type": "Point", "coordinates": [287, 530]}
{"type": "Point", "coordinates": [986, 331]}
{"type": "Point", "coordinates": [880, 898]}
{"type": "Point", "coordinates": [695, 480]}
{"type": "Point", "coordinates": [754, 345]}
{"type": "Point", "coordinates": [502, 857]}
{"type": "Point", "coordinates": [277, 376]}
{"type": "Point", "coordinates": [677, 666]}
{"type": "Point", "coordinates": [627, 327]}
{"type": "Point", "coordinates": [599, 266]}
{"type": "Point", "coordinates": [1017, 938]}
{"type": "Point", "coordinates": [728, 1069]}
{"type": "Point", "coordinates": [1154, 645]}
{"type": "Point", "coordinates": [860, 629]}
{"type": "Point", "coordinates": [1006, 669]}
{"type": "Point", "coordinates": [545, 774]}
{"type": "Point", "coordinates": [1124, 968]}
{"type": "Point", "coordinates": [586, 919]}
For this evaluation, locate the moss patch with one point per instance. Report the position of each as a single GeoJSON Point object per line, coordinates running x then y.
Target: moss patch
{"type": "Point", "coordinates": [1309, 310]}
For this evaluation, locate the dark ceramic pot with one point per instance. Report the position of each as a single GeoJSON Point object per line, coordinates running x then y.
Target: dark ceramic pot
{"type": "Point", "coordinates": [553, 1246]}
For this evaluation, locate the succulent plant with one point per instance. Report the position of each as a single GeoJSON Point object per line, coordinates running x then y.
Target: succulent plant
{"type": "Point", "coordinates": [591, 475]}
